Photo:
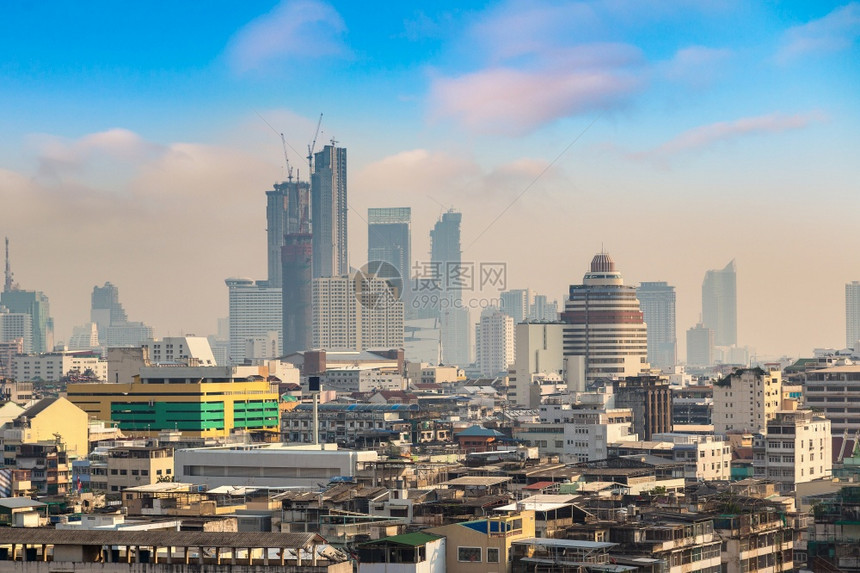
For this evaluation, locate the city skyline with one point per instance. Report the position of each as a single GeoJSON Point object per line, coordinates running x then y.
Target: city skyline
{"type": "Point", "coordinates": [721, 135]}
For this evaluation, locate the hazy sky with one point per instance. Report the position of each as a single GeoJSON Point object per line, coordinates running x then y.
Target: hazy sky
{"type": "Point", "coordinates": [677, 134]}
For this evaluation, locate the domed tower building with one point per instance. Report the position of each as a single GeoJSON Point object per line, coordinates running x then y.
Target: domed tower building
{"type": "Point", "coordinates": [604, 326]}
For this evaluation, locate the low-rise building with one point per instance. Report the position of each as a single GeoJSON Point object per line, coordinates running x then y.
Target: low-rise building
{"type": "Point", "coordinates": [135, 466]}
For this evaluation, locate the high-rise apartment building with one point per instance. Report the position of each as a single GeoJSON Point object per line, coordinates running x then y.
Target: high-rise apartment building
{"type": "Point", "coordinates": [16, 326]}
{"type": "Point", "coordinates": [255, 310]}
{"type": "Point", "coordinates": [720, 304]}
{"type": "Point", "coordinates": [542, 310]}
{"type": "Point", "coordinates": [796, 448]}
{"type": "Point", "coordinates": [356, 312]}
{"type": "Point", "coordinates": [494, 342]}
{"type": "Point", "coordinates": [329, 212]}
{"type": "Point", "coordinates": [389, 234]}
{"type": "Point", "coordinates": [604, 325]}
{"type": "Point", "coordinates": [539, 352]}
{"type": "Point", "coordinates": [852, 313]}
{"type": "Point", "coordinates": [700, 346]}
{"type": "Point", "coordinates": [451, 281]}
{"type": "Point", "coordinates": [657, 300]}
{"type": "Point", "coordinates": [287, 212]}
{"type": "Point", "coordinates": [516, 303]}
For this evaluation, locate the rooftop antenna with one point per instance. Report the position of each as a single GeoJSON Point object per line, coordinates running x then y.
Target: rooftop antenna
{"type": "Point", "coordinates": [8, 285]}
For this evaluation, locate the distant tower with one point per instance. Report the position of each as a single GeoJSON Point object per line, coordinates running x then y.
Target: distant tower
{"type": "Point", "coordinates": [494, 342]}
{"type": "Point", "coordinates": [852, 313]}
{"type": "Point", "coordinates": [287, 212]}
{"type": "Point", "coordinates": [446, 257]}
{"type": "Point", "coordinates": [8, 285]}
{"type": "Point", "coordinates": [389, 236]}
{"type": "Point", "coordinates": [516, 303]}
{"type": "Point", "coordinates": [720, 304]}
{"type": "Point", "coordinates": [255, 310]}
{"type": "Point", "coordinates": [700, 346]}
{"type": "Point", "coordinates": [604, 324]}
{"type": "Point", "coordinates": [657, 300]}
{"type": "Point", "coordinates": [297, 292]}
{"type": "Point", "coordinates": [329, 208]}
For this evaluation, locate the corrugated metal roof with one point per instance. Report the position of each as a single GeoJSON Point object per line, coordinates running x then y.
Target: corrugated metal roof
{"type": "Point", "coordinates": [38, 536]}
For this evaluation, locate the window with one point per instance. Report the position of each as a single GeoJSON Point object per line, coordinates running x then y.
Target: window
{"type": "Point", "coordinates": [469, 554]}
{"type": "Point", "coordinates": [492, 555]}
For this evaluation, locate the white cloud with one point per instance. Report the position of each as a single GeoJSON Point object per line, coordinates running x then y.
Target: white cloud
{"type": "Point", "coordinates": [293, 29]}
{"type": "Point", "coordinates": [707, 135]}
{"type": "Point", "coordinates": [696, 66]}
{"type": "Point", "coordinates": [836, 31]}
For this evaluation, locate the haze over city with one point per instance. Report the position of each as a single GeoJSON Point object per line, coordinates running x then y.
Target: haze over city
{"type": "Point", "coordinates": [677, 136]}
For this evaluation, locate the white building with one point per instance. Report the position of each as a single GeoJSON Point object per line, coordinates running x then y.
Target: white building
{"type": "Point", "coordinates": [14, 325]}
{"type": "Point", "coordinates": [360, 379]}
{"type": "Point", "coordinates": [255, 309]}
{"type": "Point", "coordinates": [604, 326]}
{"type": "Point", "coordinates": [705, 457]}
{"type": "Point", "coordinates": [268, 465]}
{"type": "Point", "coordinates": [795, 449]}
{"type": "Point", "coordinates": [356, 312]}
{"type": "Point", "coordinates": [746, 400]}
{"type": "Point", "coordinates": [52, 366]}
{"type": "Point", "coordinates": [494, 342]}
{"type": "Point", "coordinates": [264, 347]}
{"type": "Point", "coordinates": [538, 351]}
{"type": "Point", "coordinates": [188, 350]}
{"type": "Point", "coordinates": [84, 337]}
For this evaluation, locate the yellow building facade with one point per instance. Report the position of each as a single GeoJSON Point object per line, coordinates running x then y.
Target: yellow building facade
{"type": "Point", "coordinates": [484, 545]}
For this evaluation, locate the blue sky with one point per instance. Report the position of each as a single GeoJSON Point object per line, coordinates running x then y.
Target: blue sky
{"type": "Point", "coordinates": [704, 131]}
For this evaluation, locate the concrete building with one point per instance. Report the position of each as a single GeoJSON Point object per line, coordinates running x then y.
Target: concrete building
{"type": "Point", "coordinates": [359, 425]}
{"type": "Point", "coordinates": [287, 212]}
{"type": "Point", "coordinates": [407, 553]}
{"type": "Point", "coordinates": [50, 420]}
{"type": "Point", "coordinates": [329, 208]}
{"type": "Point", "coordinates": [297, 293]}
{"type": "Point", "coordinates": [356, 312]}
{"type": "Point", "coordinates": [53, 366]}
{"type": "Point", "coordinates": [650, 399]}
{"type": "Point", "coordinates": [795, 449]}
{"type": "Point", "coordinates": [542, 310]}
{"type": "Point", "coordinates": [704, 457]}
{"type": "Point", "coordinates": [362, 379]}
{"type": "Point", "coordinates": [269, 465]}
{"type": "Point", "coordinates": [852, 314]}
{"type": "Point", "coordinates": [604, 325]}
{"type": "Point", "coordinates": [186, 350]}
{"type": "Point", "coordinates": [35, 305]}
{"type": "Point", "coordinates": [255, 309]}
{"type": "Point", "coordinates": [516, 303]}
{"type": "Point", "coordinates": [700, 346]}
{"type": "Point", "coordinates": [746, 400]}
{"type": "Point", "coordinates": [657, 300]}
{"type": "Point", "coordinates": [136, 466]}
{"type": "Point", "coordinates": [539, 350]}
{"type": "Point", "coordinates": [720, 304]}
{"type": "Point", "coordinates": [494, 342]}
{"type": "Point", "coordinates": [14, 327]}
{"type": "Point", "coordinates": [205, 401]}
{"type": "Point", "coordinates": [835, 391]}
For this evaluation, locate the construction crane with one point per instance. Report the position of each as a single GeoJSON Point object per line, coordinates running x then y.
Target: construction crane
{"type": "Point", "coordinates": [287, 159]}
{"type": "Point", "coordinates": [312, 146]}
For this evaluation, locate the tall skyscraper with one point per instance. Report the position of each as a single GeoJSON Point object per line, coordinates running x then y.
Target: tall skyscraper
{"type": "Point", "coordinates": [720, 304]}
{"type": "Point", "coordinates": [329, 208]}
{"type": "Point", "coordinates": [32, 303]}
{"type": "Point", "coordinates": [852, 313]}
{"type": "Point", "coordinates": [114, 328]}
{"type": "Point", "coordinates": [356, 312]}
{"type": "Point", "coordinates": [255, 310]}
{"type": "Point", "coordinates": [446, 258]}
{"type": "Point", "coordinates": [389, 237]}
{"type": "Point", "coordinates": [657, 300]}
{"type": "Point", "coordinates": [494, 342]}
{"type": "Point", "coordinates": [297, 293]}
{"type": "Point", "coordinates": [287, 212]}
{"type": "Point", "coordinates": [542, 310]}
{"type": "Point", "coordinates": [604, 324]}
